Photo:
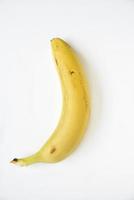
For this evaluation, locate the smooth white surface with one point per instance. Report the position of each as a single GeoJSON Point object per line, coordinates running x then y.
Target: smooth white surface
{"type": "Point", "coordinates": [102, 32]}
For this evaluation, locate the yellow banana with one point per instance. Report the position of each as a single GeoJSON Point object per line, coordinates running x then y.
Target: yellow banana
{"type": "Point", "coordinates": [75, 108]}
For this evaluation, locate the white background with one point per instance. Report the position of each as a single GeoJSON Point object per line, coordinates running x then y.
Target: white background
{"type": "Point", "coordinates": [102, 31]}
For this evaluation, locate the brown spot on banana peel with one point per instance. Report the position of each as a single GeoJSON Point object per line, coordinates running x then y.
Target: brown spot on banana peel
{"type": "Point", "coordinates": [56, 61]}
{"type": "Point", "coordinates": [53, 150]}
{"type": "Point", "coordinates": [71, 72]}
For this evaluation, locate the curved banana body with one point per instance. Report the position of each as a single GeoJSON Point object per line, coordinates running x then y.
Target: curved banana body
{"type": "Point", "coordinates": [75, 108]}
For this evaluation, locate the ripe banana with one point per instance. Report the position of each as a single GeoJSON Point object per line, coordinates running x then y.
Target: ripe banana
{"type": "Point", "coordinates": [75, 108]}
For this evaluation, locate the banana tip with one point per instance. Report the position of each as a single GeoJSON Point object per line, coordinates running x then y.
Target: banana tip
{"type": "Point", "coordinates": [14, 161]}
{"type": "Point", "coordinates": [17, 161]}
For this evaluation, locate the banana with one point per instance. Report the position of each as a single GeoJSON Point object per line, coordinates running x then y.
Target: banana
{"type": "Point", "coordinates": [75, 109]}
